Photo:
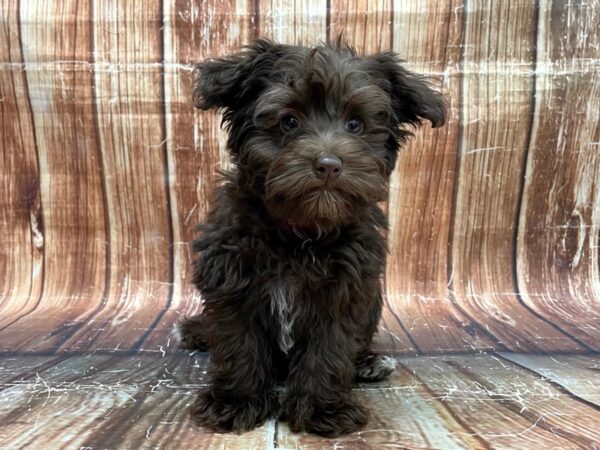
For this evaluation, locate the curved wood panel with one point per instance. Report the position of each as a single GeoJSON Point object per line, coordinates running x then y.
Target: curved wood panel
{"type": "Point", "coordinates": [59, 84]}
{"type": "Point", "coordinates": [128, 100]}
{"type": "Point", "coordinates": [105, 168]}
{"type": "Point", "coordinates": [559, 229]}
{"type": "Point", "coordinates": [496, 112]}
{"type": "Point", "coordinates": [195, 141]}
{"type": "Point", "coordinates": [22, 236]}
{"type": "Point", "coordinates": [449, 402]}
{"type": "Point", "coordinates": [429, 36]}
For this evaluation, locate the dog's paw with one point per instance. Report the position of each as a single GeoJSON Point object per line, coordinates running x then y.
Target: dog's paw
{"type": "Point", "coordinates": [344, 417]}
{"type": "Point", "coordinates": [374, 367]}
{"type": "Point", "coordinates": [190, 333]}
{"type": "Point", "coordinates": [225, 415]}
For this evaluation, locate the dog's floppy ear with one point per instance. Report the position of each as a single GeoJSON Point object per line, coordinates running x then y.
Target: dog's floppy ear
{"type": "Point", "coordinates": [225, 82]}
{"type": "Point", "coordinates": [413, 98]}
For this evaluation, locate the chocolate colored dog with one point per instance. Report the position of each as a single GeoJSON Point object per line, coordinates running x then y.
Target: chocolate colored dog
{"type": "Point", "coordinates": [290, 258]}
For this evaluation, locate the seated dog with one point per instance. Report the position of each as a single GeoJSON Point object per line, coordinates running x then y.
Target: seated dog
{"type": "Point", "coordinates": [290, 258]}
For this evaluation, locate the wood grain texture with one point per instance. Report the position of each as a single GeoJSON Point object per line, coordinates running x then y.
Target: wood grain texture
{"type": "Point", "coordinates": [404, 414]}
{"type": "Point", "coordinates": [111, 402]}
{"type": "Point", "coordinates": [429, 36]}
{"type": "Point", "coordinates": [538, 414]}
{"type": "Point", "coordinates": [578, 375]}
{"type": "Point", "coordinates": [558, 262]}
{"type": "Point", "coordinates": [21, 238]}
{"type": "Point", "coordinates": [365, 24]}
{"type": "Point", "coordinates": [141, 401]}
{"type": "Point", "coordinates": [295, 22]}
{"type": "Point", "coordinates": [129, 111]}
{"type": "Point", "coordinates": [73, 236]}
{"type": "Point", "coordinates": [17, 368]}
{"type": "Point", "coordinates": [105, 168]}
{"type": "Point", "coordinates": [496, 111]}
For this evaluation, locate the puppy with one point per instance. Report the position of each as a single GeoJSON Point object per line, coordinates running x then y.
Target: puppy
{"type": "Point", "coordinates": [290, 258]}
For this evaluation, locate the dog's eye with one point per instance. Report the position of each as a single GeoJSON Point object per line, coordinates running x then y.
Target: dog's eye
{"type": "Point", "coordinates": [289, 123]}
{"type": "Point", "coordinates": [354, 125]}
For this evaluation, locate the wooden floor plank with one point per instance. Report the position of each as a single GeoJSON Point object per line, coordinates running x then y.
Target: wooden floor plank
{"type": "Point", "coordinates": [13, 368]}
{"type": "Point", "coordinates": [448, 402]}
{"type": "Point", "coordinates": [29, 405]}
{"type": "Point", "coordinates": [161, 420]}
{"type": "Point", "coordinates": [578, 375]}
{"type": "Point", "coordinates": [404, 414]}
{"type": "Point", "coordinates": [506, 405]}
{"type": "Point", "coordinates": [105, 401]}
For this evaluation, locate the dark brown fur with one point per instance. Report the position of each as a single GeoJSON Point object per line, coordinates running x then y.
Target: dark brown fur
{"type": "Point", "coordinates": [289, 265]}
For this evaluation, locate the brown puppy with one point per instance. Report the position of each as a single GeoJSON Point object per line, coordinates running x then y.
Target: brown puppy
{"type": "Point", "coordinates": [290, 258]}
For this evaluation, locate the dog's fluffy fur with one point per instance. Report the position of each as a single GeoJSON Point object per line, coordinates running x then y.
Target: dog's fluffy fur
{"type": "Point", "coordinates": [288, 263]}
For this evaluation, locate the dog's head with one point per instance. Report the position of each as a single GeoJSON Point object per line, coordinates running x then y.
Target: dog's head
{"type": "Point", "coordinates": [315, 132]}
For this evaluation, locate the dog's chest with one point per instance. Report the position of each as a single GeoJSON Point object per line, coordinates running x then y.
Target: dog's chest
{"type": "Point", "coordinates": [282, 297]}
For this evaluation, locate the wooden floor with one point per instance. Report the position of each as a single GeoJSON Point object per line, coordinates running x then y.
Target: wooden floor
{"type": "Point", "coordinates": [502, 400]}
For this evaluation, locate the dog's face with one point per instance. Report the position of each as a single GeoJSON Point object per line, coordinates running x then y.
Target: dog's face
{"type": "Point", "coordinates": [315, 132]}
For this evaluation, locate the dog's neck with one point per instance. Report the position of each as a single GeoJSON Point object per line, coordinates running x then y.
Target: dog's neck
{"type": "Point", "coordinates": [304, 228]}
{"type": "Point", "coordinates": [301, 229]}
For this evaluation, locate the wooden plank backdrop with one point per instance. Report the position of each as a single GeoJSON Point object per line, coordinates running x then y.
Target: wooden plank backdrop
{"type": "Point", "coordinates": [106, 168]}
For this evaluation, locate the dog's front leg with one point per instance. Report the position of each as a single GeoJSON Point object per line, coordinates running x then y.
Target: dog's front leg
{"type": "Point", "coordinates": [319, 388]}
{"type": "Point", "coordinates": [240, 396]}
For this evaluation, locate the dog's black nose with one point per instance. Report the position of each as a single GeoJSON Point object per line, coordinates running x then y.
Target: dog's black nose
{"type": "Point", "coordinates": [328, 167]}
